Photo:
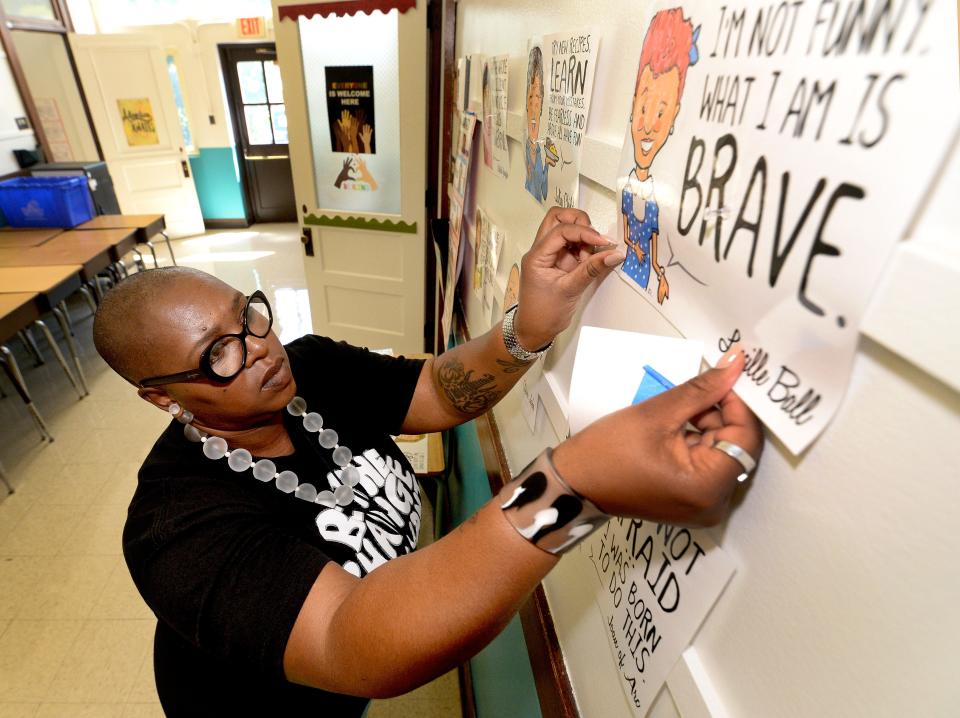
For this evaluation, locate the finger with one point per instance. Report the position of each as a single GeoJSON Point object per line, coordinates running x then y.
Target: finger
{"type": "Point", "coordinates": [562, 215]}
{"type": "Point", "coordinates": [699, 394]}
{"type": "Point", "coordinates": [709, 419]}
{"type": "Point", "coordinates": [595, 268]}
{"type": "Point", "coordinates": [546, 251]}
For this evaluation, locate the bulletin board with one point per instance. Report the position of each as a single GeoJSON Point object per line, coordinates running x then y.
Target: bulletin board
{"type": "Point", "coordinates": [817, 538]}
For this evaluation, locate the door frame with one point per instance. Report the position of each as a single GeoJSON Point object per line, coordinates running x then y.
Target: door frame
{"type": "Point", "coordinates": [235, 111]}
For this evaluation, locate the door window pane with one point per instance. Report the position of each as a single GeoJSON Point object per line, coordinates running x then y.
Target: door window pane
{"type": "Point", "coordinates": [258, 125]}
{"type": "Point", "coordinates": [279, 115]}
{"type": "Point", "coordinates": [274, 84]}
{"type": "Point", "coordinates": [252, 87]}
{"type": "Point", "coordinates": [29, 8]}
{"type": "Point", "coordinates": [181, 103]}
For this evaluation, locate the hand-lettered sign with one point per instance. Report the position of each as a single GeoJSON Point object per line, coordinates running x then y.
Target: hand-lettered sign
{"type": "Point", "coordinates": [774, 155]}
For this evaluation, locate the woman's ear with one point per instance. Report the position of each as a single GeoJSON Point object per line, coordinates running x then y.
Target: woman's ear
{"type": "Point", "coordinates": [156, 396]}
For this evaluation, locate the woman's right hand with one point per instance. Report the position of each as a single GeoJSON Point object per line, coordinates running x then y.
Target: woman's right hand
{"type": "Point", "coordinates": [643, 462]}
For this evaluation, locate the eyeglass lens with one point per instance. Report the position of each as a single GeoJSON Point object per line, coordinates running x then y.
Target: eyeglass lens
{"type": "Point", "coordinates": [226, 356]}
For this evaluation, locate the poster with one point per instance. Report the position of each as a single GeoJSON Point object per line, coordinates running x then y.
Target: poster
{"type": "Point", "coordinates": [560, 72]}
{"type": "Point", "coordinates": [139, 124]}
{"type": "Point", "coordinates": [52, 122]}
{"type": "Point", "coordinates": [496, 238]}
{"type": "Point", "coordinates": [481, 234]}
{"type": "Point", "coordinates": [350, 109]}
{"type": "Point", "coordinates": [655, 585]}
{"type": "Point", "coordinates": [453, 263]}
{"type": "Point", "coordinates": [770, 164]}
{"type": "Point", "coordinates": [496, 154]}
{"type": "Point", "coordinates": [512, 293]}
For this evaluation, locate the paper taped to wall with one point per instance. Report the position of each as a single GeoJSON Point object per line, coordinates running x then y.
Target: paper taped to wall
{"type": "Point", "coordinates": [613, 368]}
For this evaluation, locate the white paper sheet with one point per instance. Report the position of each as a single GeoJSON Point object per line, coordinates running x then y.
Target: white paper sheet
{"type": "Point", "coordinates": [610, 368]}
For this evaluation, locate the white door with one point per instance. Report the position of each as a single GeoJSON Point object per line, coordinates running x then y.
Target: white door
{"type": "Point", "coordinates": [366, 285]}
{"type": "Point", "coordinates": [126, 81]}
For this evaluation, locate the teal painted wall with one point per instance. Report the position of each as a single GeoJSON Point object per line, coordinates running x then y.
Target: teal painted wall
{"type": "Point", "coordinates": [218, 183]}
{"type": "Point", "coordinates": [502, 678]}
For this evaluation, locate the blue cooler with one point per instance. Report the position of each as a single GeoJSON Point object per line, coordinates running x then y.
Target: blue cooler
{"type": "Point", "coordinates": [46, 201]}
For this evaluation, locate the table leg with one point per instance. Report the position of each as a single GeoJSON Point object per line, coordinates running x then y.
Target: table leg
{"type": "Point", "coordinates": [62, 304]}
{"type": "Point", "coordinates": [31, 344]}
{"type": "Point", "coordinates": [141, 265]}
{"type": "Point", "coordinates": [97, 289]}
{"type": "Point", "coordinates": [85, 291]}
{"type": "Point", "coordinates": [59, 355]}
{"type": "Point", "coordinates": [153, 251]}
{"type": "Point", "coordinates": [64, 326]}
{"type": "Point", "coordinates": [9, 365]}
{"type": "Point", "coordinates": [169, 248]}
{"type": "Point", "coordinates": [3, 479]}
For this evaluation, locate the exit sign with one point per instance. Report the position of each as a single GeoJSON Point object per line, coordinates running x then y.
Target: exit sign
{"type": "Point", "coordinates": [251, 27]}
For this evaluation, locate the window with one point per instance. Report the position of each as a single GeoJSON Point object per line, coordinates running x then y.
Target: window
{"type": "Point", "coordinates": [178, 97]}
{"type": "Point", "coordinates": [261, 92]}
{"type": "Point", "coordinates": [32, 9]}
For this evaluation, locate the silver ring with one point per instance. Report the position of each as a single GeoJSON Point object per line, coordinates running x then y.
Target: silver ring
{"type": "Point", "coordinates": [739, 454]}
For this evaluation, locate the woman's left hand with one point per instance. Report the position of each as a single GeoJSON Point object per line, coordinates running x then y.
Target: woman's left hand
{"type": "Point", "coordinates": [555, 273]}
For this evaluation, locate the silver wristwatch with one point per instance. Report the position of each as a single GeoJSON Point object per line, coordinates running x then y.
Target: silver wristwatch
{"type": "Point", "coordinates": [510, 339]}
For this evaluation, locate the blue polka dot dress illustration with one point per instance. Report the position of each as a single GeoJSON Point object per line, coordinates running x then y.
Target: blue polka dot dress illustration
{"type": "Point", "coordinates": [640, 232]}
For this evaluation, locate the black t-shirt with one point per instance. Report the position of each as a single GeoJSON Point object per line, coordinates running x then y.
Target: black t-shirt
{"type": "Point", "coordinates": [225, 561]}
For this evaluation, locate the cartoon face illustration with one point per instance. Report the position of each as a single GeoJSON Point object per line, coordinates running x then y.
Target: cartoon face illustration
{"type": "Point", "coordinates": [655, 107]}
{"type": "Point", "coordinates": [534, 93]}
{"type": "Point", "coordinates": [669, 48]}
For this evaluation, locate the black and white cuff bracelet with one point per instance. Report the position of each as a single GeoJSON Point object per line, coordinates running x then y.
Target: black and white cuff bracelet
{"type": "Point", "coordinates": [545, 510]}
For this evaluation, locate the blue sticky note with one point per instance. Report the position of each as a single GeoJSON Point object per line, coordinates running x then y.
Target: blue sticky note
{"type": "Point", "coordinates": [653, 383]}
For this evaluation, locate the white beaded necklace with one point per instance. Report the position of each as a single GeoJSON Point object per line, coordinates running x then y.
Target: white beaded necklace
{"type": "Point", "coordinates": [215, 447]}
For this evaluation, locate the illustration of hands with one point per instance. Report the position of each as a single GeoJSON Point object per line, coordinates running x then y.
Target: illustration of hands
{"type": "Point", "coordinates": [663, 289]}
{"type": "Point", "coordinates": [366, 136]}
{"type": "Point", "coordinates": [344, 173]}
{"type": "Point", "coordinates": [364, 174]}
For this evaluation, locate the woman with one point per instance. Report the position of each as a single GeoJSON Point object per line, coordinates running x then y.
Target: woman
{"type": "Point", "coordinates": [536, 160]}
{"type": "Point", "coordinates": [669, 49]}
{"type": "Point", "coordinates": [282, 575]}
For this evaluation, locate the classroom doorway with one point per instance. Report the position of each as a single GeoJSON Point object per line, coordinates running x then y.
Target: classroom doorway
{"type": "Point", "coordinates": [259, 116]}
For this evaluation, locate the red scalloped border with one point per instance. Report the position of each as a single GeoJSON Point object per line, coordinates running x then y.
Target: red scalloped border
{"type": "Point", "coordinates": [352, 7]}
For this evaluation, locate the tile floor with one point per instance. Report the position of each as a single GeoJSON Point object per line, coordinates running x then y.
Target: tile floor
{"type": "Point", "coordinates": [75, 636]}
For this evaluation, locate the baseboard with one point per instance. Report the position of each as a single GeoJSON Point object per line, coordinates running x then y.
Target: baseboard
{"type": "Point", "coordinates": [238, 223]}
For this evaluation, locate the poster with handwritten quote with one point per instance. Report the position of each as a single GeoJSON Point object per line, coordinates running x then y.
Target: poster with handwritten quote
{"type": "Point", "coordinates": [773, 157]}
{"type": "Point", "coordinates": [655, 585]}
{"type": "Point", "coordinates": [139, 123]}
{"type": "Point", "coordinates": [495, 83]}
{"type": "Point", "coordinates": [559, 85]}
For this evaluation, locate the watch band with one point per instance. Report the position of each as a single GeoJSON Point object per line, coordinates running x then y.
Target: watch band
{"type": "Point", "coordinates": [545, 510]}
{"type": "Point", "coordinates": [510, 339]}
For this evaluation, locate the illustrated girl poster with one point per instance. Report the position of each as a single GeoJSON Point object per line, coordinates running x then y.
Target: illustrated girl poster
{"type": "Point", "coordinates": [763, 184]}
{"type": "Point", "coordinates": [669, 51]}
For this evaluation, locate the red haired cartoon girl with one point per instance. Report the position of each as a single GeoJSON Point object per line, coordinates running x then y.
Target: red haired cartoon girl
{"type": "Point", "coordinates": [669, 48]}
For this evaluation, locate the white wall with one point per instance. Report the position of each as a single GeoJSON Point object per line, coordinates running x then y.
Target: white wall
{"type": "Point", "coordinates": [11, 107]}
{"type": "Point", "coordinates": [844, 601]}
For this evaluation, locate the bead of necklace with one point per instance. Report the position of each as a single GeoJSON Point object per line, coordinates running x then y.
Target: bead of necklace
{"type": "Point", "coordinates": [239, 459]}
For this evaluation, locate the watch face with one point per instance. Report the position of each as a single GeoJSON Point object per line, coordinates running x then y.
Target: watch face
{"type": "Point", "coordinates": [512, 292]}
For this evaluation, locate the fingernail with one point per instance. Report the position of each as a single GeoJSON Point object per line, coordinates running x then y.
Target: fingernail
{"type": "Point", "coordinates": [612, 260]}
{"type": "Point", "coordinates": [612, 242]}
{"type": "Point", "coordinates": [729, 357]}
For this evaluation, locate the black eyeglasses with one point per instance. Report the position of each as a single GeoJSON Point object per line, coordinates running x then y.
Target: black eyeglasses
{"type": "Point", "coordinates": [226, 355]}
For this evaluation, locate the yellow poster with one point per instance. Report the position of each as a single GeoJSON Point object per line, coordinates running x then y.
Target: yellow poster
{"type": "Point", "coordinates": [138, 122]}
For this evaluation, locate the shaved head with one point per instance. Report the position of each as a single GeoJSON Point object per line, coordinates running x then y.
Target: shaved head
{"type": "Point", "coordinates": [126, 323]}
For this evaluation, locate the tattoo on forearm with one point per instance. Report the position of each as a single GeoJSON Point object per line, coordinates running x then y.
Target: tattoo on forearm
{"type": "Point", "coordinates": [512, 366]}
{"type": "Point", "coordinates": [468, 394]}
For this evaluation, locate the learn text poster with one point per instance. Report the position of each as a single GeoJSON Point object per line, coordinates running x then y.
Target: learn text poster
{"type": "Point", "coordinates": [774, 154]}
{"type": "Point", "coordinates": [559, 85]}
